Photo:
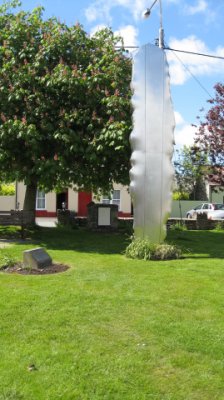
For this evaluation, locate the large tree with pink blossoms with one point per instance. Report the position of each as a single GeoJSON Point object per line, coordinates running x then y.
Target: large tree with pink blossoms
{"type": "Point", "coordinates": [65, 112]}
{"type": "Point", "coordinates": [210, 136]}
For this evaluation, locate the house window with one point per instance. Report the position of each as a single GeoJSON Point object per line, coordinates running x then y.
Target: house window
{"type": "Point", "coordinates": [114, 198]}
{"type": "Point", "coordinates": [40, 200]}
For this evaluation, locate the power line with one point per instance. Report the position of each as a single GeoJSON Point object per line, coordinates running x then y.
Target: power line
{"type": "Point", "coordinates": [180, 51]}
{"type": "Point", "coordinates": [193, 76]}
{"type": "Point", "coordinates": [185, 66]}
{"type": "Point", "coordinates": [194, 53]}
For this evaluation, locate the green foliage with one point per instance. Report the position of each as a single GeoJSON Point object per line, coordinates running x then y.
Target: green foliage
{"type": "Point", "coordinates": [6, 260]}
{"type": "Point", "coordinates": [7, 189]}
{"type": "Point", "coordinates": [219, 226]}
{"type": "Point", "coordinates": [140, 248]}
{"type": "Point", "coordinates": [177, 195]}
{"type": "Point", "coordinates": [144, 250]}
{"type": "Point", "coordinates": [178, 227]}
{"type": "Point", "coordinates": [190, 170]}
{"type": "Point", "coordinates": [126, 226]}
{"type": "Point", "coordinates": [65, 104]}
{"type": "Point", "coordinates": [9, 232]}
{"type": "Point", "coordinates": [166, 252]}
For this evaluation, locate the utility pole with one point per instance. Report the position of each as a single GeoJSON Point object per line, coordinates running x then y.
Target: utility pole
{"type": "Point", "coordinates": [147, 13]}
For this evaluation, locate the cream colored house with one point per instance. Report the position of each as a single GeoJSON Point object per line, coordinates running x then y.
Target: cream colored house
{"type": "Point", "coordinates": [47, 204]}
{"type": "Point", "coordinates": [7, 203]}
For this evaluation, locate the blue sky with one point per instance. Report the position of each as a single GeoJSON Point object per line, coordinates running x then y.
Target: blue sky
{"type": "Point", "coordinates": [192, 25]}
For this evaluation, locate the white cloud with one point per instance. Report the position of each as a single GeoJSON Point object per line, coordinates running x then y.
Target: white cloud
{"type": "Point", "coordinates": [178, 118]}
{"type": "Point", "coordinates": [199, 7]}
{"type": "Point", "coordinates": [184, 132]}
{"type": "Point", "coordinates": [100, 9]}
{"type": "Point", "coordinates": [173, 1]}
{"type": "Point", "coordinates": [129, 34]}
{"type": "Point", "coordinates": [137, 7]}
{"type": "Point", "coordinates": [180, 63]}
{"type": "Point", "coordinates": [97, 28]}
{"type": "Point", "coordinates": [91, 13]}
{"type": "Point", "coordinates": [184, 135]}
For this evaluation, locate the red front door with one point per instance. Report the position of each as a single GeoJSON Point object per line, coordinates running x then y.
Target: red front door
{"type": "Point", "coordinates": [84, 198]}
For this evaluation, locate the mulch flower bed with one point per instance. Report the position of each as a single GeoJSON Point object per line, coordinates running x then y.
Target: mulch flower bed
{"type": "Point", "coordinates": [20, 269]}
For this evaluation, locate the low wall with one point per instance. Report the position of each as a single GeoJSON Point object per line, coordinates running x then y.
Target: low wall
{"type": "Point", "coordinates": [191, 224]}
{"type": "Point", "coordinates": [195, 224]}
{"type": "Point", "coordinates": [20, 218]}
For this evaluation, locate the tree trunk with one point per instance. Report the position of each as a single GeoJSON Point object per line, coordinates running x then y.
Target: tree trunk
{"type": "Point", "coordinates": [29, 205]}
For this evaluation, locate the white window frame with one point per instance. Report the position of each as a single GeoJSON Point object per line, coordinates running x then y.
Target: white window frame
{"type": "Point", "coordinates": [114, 198]}
{"type": "Point", "coordinates": [40, 197]}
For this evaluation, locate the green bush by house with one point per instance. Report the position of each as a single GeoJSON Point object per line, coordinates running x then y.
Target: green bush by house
{"type": "Point", "coordinates": [7, 189]}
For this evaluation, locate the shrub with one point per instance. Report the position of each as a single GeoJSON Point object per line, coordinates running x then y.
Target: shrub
{"type": "Point", "coordinates": [126, 226]}
{"type": "Point", "coordinates": [140, 249]}
{"type": "Point", "coordinates": [166, 252]}
{"type": "Point", "coordinates": [180, 196]}
{"type": "Point", "coordinates": [7, 189]}
{"type": "Point", "coordinates": [144, 250]}
{"type": "Point", "coordinates": [178, 227]}
{"type": "Point", "coordinates": [6, 261]}
{"type": "Point", "coordinates": [219, 226]}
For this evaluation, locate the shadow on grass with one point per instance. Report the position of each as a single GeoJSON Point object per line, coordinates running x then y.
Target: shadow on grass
{"type": "Point", "coordinates": [81, 240]}
{"type": "Point", "coordinates": [198, 244]}
{"type": "Point", "coordinates": [195, 244]}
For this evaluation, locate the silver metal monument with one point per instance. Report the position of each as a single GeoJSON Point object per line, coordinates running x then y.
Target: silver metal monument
{"type": "Point", "coordinates": [152, 143]}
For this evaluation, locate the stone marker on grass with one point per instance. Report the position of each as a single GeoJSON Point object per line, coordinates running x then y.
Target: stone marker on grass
{"type": "Point", "coordinates": [36, 258]}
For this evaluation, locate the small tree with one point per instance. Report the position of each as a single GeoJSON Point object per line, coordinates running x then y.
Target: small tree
{"type": "Point", "coordinates": [190, 169]}
{"type": "Point", "coordinates": [65, 113]}
{"type": "Point", "coordinates": [210, 136]}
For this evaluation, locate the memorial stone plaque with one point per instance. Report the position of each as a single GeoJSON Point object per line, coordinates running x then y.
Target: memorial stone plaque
{"type": "Point", "coordinates": [36, 258]}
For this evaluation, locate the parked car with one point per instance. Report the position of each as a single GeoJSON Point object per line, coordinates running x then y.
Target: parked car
{"type": "Point", "coordinates": [209, 208]}
{"type": "Point", "coordinates": [217, 213]}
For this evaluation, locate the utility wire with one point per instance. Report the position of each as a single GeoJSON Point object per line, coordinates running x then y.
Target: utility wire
{"type": "Point", "coordinates": [193, 76]}
{"type": "Point", "coordinates": [185, 67]}
{"type": "Point", "coordinates": [180, 51]}
{"type": "Point", "coordinates": [196, 54]}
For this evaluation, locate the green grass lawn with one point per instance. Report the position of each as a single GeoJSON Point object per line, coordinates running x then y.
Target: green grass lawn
{"type": "Point", "coordinates": [110, 327]}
